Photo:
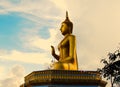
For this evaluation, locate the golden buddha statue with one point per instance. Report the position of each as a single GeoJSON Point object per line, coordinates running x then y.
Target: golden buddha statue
{"type": "Point", "coordinates": [67, 58]}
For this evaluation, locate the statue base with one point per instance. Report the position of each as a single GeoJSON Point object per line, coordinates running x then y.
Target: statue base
{"type": "Point", "coordinates": [64, 78]}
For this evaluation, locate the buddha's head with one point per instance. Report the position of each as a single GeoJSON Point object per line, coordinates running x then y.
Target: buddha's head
{"type": "Point", "coordinates": [67, 26]}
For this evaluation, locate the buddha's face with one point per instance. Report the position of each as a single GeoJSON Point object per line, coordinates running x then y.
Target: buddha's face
{"type": "Point", "coordinates": [64, 29]}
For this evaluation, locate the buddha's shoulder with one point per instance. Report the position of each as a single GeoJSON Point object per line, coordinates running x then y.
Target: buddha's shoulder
{"type": "Point", "coordinates": [71, 36]}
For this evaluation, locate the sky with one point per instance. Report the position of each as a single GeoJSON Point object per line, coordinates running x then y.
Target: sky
{"type": "Point", "coordinates": [29, 27]}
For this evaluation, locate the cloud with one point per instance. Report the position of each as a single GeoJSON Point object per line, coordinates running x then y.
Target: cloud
{"type": "Point", "coordinates": [2, 71]}
{"type": "Point", "coordinates": [35, 40]}
{"type": "Point", "coordinates": [31, 40]}
{"type": "Point", "coordinates": [98, 31]}
{"type": "Point", "coordinates": [38, 48]}
{"type": "Point", "coordinates": [14, 77]}
{"type": "Point", "coordinates": [2, 51]}
{"type": "Point", "coordinates": [30, 7]}
{"type": "Point", "coordinates": [32, 57]}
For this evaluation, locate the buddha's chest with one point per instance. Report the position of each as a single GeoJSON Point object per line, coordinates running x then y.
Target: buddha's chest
{"type": "Point", "coordinates": [64, 44]}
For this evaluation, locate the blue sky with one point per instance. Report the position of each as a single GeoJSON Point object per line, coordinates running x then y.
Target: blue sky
{"type": "Point", "coordinates": [10, 26]}
{"type": "Point", "coordinates": [29, 27]}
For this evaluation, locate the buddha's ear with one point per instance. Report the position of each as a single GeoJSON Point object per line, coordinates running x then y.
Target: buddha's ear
{"type": "Point", "coordinates": [70, 30]}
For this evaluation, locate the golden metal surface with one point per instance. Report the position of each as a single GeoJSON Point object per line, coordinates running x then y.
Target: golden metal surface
{"type": "Point", "coordinates": [67, 58]}
{"type": "Point", "coordinates": [64, 77]}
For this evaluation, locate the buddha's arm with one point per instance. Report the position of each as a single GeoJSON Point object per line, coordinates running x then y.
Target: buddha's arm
{"type": "Point", "coordinates": [54, 54]}
{"type": "Point", "coordinates": [71, 54]}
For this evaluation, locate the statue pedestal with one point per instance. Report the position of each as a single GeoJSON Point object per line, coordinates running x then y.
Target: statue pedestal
{"type": "Point", "coordinates": [64, 78]}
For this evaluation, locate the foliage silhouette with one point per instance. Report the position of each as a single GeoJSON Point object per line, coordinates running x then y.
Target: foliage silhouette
{"type": "Point", "coordinates": [111, 69]}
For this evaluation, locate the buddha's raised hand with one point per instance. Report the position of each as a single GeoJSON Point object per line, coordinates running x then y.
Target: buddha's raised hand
{"type": "Point", "coordinates": [53, 50]}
